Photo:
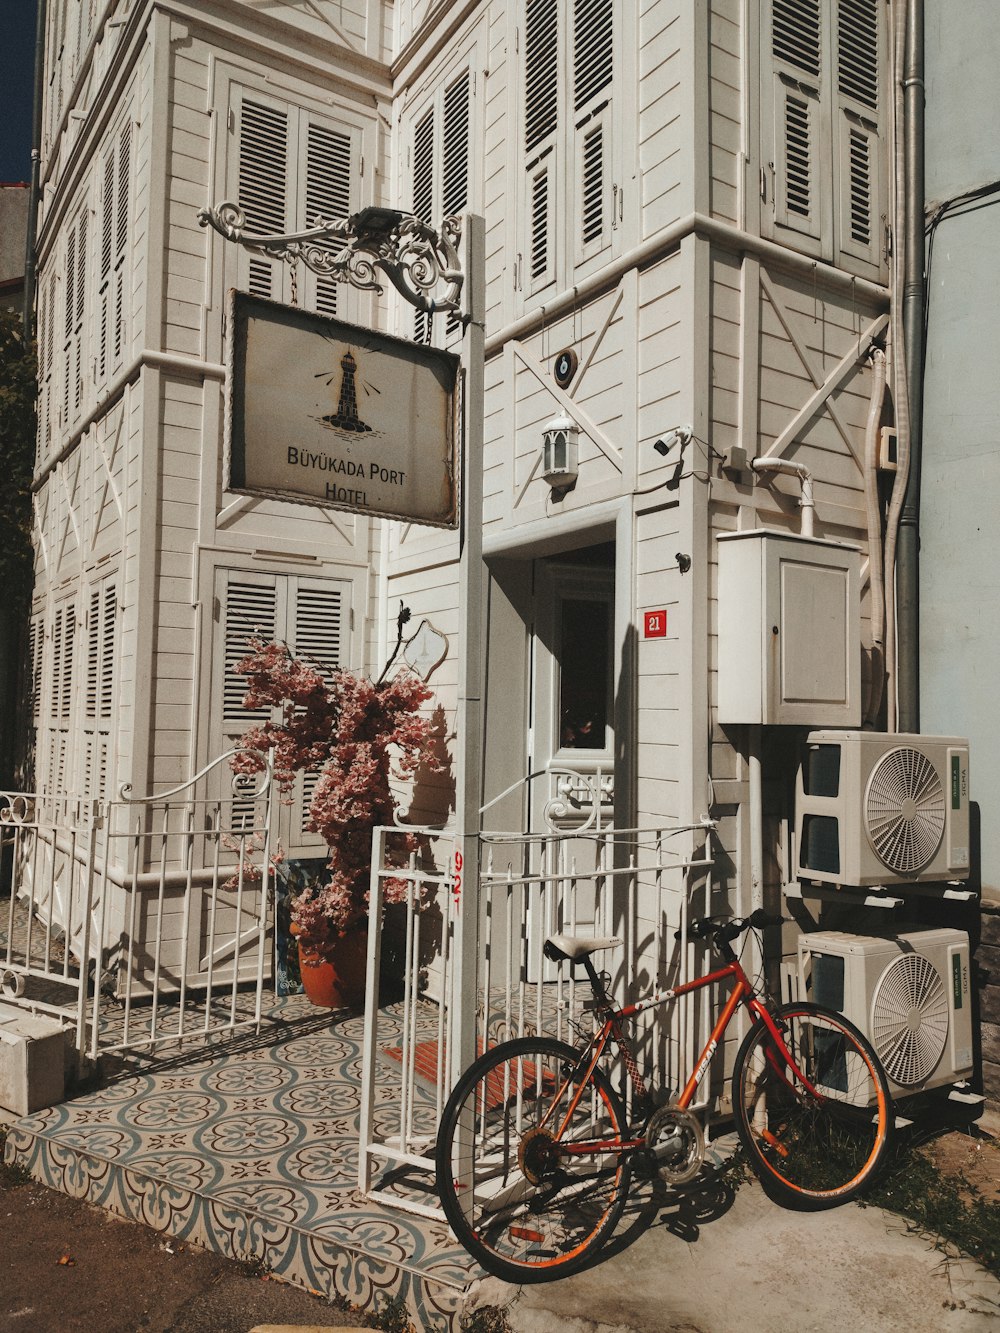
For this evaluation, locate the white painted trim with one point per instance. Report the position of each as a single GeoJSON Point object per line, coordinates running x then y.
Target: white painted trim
{"type": "Point", "coordinates": [173, 362]}
{"type": "Point", "coordinates": [723, 234]}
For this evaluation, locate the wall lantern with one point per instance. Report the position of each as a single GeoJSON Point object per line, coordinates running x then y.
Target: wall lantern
{"type": "Point", "coordinates": [561, 452]}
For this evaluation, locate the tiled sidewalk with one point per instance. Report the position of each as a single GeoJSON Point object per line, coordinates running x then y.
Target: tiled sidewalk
{"type": "Point", "coordinates": [251, 1148]}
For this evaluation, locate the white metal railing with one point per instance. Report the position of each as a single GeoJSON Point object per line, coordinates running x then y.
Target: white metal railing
{"type": "Point", "coordinates": [586, 879]}
{"type": "Point", "coordinates": [143, 920]}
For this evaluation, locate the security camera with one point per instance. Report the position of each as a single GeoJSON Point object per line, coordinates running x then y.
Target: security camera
{"type": "Point", "coordinates": [678, 434]}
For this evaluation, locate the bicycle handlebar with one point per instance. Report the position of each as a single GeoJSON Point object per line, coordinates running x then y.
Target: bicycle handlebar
{"type": "Point", "coordinates": [720, 930]}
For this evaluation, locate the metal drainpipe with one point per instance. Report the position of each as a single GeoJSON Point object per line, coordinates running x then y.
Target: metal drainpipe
{"type": "Point", "coordinates": [907, 570]}
{"type": "Point", "coordinates": [28, 311]}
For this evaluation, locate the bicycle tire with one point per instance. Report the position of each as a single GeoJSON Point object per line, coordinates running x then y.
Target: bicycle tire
{"type": "Point", "coordinates": [522, 1207]}
{"type": "Point", "coordinates": [812, 1151]}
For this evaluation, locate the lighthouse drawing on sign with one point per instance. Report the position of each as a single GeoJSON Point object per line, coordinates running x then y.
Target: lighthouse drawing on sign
{"type": "Point", "coordinates": [346, 416]}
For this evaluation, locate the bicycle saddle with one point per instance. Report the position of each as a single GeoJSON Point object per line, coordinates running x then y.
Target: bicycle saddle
{"type": "Point", "coordinates": [562, 948]}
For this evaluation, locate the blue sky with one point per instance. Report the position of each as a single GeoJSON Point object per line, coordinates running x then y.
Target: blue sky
{"type": "Point", "coordinates": [17, 49]}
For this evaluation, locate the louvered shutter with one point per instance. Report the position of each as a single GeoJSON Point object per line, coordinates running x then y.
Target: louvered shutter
{"type": "Point", "coordinates": [541, 71]}
{"type": "Point", "coordinates": [36, 639]}
{"type": "Point", "coordinates": [78, 311]}
{"type": "Point", "coordinates": [248, 607]}
{"type": "Point", "coordinates": [541, 121]}
{"type": "Point", "coordinates": [857, 128]}
{"type": "Point", "coordinates": [313, 617]}
{"type": "Point", "coordinates": [262, 184]}
{"type": "Point", "coordinates": [98, 695]}
{"type": "Point", "coordinates": [593, 67]}
{"type": "Point", "coordinates": [60, 697]}
{"type": "Point", "coordinates": [328, 175]}
{"type": "Point", "coordinates": [799, 132]}
{"type": "Point", "coordinates": [123, 177]}
{"type": "Point", "coordinates": [316, 633]}
{"type": "Point", "coordinates": [455, 161]}
{"type": "Point", "coordinates": [106, 257]}
{"type": "Point", "coordinates": [249, 611]}
{"type": "Point", "coordinates": [423, 198]}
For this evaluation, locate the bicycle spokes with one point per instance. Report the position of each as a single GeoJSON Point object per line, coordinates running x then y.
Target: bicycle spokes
{"type": "Point", "coordinates": [528, 1162]}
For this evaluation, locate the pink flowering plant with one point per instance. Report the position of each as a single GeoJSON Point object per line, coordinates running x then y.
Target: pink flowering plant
{"type": "Point", "coordinates": [360, 734]}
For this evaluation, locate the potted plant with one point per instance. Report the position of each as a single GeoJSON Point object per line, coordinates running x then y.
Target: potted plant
{"type": "Point", "coordinates": [359, 735]}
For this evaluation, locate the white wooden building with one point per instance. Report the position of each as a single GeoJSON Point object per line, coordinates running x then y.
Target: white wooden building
{"type": "Point", "coordinates": [690, 196]}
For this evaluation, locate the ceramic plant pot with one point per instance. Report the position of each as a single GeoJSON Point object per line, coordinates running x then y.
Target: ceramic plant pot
{"type": "Point", "coordinates": [335, 978]}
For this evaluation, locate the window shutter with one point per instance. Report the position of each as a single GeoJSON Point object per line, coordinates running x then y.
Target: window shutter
{"type": "Point", "coordinates": [857, 129]}
{"type": "Point", "coordinates": [36, 635]}
{"type": "Point", "coordinates": [317, 635]}
{"type": "Point", "coordinates": [81, 293]}
{"type": "Point", "coordinates": [592, 186]}
{"type": "Point", "coordinates": [122, 187]}
{"type": "Point", "coordinates": [109, 620]}
{"type": "Point", "coordinates": [423, 198]}
{"type": "Point", "coordinates": [318, 628]}
{"type": "Point", "coordinates": [593, 50]}
{"type": "Point", "coordinates": [541, 71]}
{"type": "Point", "coordinates": [795, 35]}
{"type": "Point", "coordinates": [262, 183]}
{"type": "Point", "coordinates": [107, 253]}
{"type": "Point", "coordinates": [799, 161]}
{"type": "Point", "coordinates": [311, 615]}
{"type": "Point", "coordinates": [250, 610]}
{"type": "Point", "coordinates": [540, 241]}
{"type": "Point", "coordinates": [455, 182]}
{"type": "Point", "coordinates": [65, 681]}
{"type": "Point", "coordinates": [857, 51]}
{"type": "Point", "coordinates": [328, 193]}
{"type": "Point", "coordinates": [455, 168]}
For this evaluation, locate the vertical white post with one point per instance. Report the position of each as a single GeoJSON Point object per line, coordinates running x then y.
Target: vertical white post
{"type": "Point", "coordinates": [471, 608]}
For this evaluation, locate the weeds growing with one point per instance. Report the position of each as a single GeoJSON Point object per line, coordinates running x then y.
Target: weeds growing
{"type": "Point", "coordinates": [939, 1204]}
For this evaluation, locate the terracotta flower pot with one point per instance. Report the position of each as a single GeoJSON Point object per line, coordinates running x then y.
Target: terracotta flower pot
{"type": "Point", "coordinates": [335, 978]}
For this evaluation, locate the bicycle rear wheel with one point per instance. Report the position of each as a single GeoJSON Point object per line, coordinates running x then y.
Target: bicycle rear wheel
{"type": "Point", "coordinates": [815, 1133]}
{"type": "Point", "coordinates": [531, 1187]}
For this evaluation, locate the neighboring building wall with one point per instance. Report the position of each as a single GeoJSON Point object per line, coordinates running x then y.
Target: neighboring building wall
{"type": "Point", "coordinates": [959, 586]}
{"type": "Point", "coordinates": [13, 239]}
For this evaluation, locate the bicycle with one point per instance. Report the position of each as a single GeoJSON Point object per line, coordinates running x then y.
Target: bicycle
{"type": "Point", "coordinates": [534, 1153]}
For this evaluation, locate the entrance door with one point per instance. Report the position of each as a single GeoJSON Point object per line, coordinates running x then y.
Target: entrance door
{"type": "Point", "coordinates": [572, 724]}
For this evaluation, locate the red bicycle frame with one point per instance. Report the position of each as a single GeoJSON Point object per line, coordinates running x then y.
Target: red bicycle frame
{"type": "Point", "coordinates": [611, 1029]}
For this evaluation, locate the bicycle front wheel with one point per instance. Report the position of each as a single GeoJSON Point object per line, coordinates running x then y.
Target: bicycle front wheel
{"type": "Point", "coordinates": [817, 1129]}
{"type": "Point", "coordinates": [530, 1168]}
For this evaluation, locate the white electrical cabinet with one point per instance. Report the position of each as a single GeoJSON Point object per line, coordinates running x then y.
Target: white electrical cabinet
{"type": "Point", "coordinates": [789, 630]}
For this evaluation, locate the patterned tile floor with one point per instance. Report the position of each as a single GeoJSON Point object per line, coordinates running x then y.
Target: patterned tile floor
{"type": "Point", "coordinates": [251, 1148]}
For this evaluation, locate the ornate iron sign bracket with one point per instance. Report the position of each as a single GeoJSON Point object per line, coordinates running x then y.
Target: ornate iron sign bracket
{"type": "Point", "coordinates": [414, 257]}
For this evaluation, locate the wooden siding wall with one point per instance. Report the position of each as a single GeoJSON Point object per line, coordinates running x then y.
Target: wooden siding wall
{"type": "Point", "coordinates": [699, 332]}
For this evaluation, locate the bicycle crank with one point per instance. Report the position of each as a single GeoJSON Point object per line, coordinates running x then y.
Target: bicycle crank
{"type": "Point", "coordinates": [676, 1145]}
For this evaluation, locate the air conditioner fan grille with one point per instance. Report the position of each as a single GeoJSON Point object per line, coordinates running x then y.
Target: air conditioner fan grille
{"type": "Point", "coordinates": [904, 810]}
{"type": "Point", "coordinates": [909, 1019]}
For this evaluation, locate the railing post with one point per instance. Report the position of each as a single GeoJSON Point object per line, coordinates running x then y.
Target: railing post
{"type": "Point", "coordinates": [369, 1039]}
{"type": "Point", "coordinates": [95, 822]}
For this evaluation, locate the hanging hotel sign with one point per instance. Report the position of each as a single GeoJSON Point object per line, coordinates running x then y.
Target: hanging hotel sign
{"type": "Point", "coordinates": [327, 413]}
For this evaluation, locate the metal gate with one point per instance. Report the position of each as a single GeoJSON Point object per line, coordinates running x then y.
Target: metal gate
{"type": "Point", "coordinates": [143, 920]}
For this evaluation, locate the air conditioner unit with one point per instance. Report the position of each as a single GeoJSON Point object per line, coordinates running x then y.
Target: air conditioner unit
{"type": "Point", "coordinates": [909, 995]}
{"type": "Point", "coordinates": [882, 808]}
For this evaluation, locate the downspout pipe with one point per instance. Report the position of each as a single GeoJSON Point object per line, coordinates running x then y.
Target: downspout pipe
{"type": "Point", "coordinates": [28, 310]}
{"type": "Point", "coordinates": [907, 571]}
{"type": "Point", "coordinates": [798, 470]}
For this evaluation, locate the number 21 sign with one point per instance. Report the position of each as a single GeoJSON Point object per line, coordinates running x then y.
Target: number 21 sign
{"type": "Point", "coordinates": [654, 624]}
